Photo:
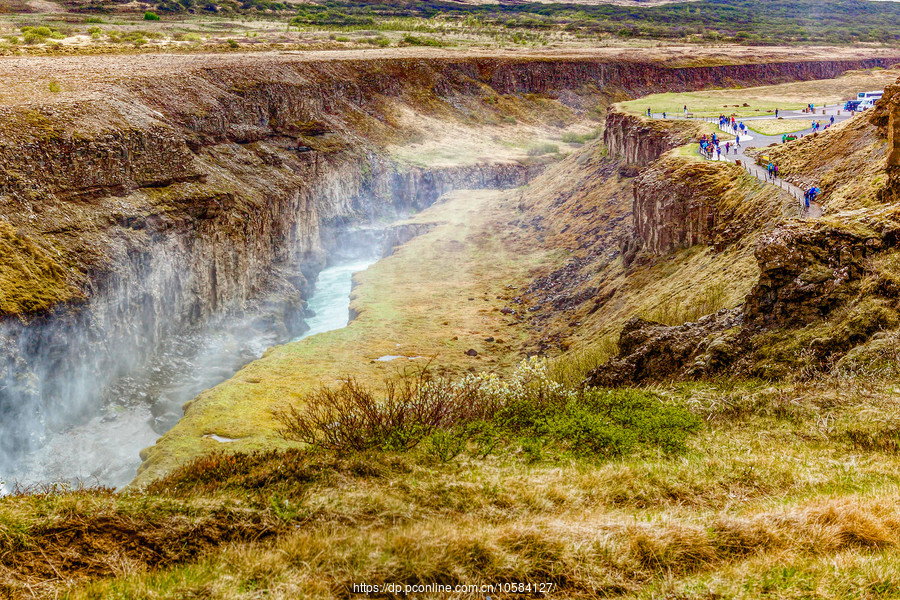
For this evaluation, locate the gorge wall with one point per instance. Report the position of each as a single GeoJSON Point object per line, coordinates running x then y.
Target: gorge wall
{"type": "Point", "coordinates": [639, 141]}
{"type": "Point", "coordinates": [169, 201]}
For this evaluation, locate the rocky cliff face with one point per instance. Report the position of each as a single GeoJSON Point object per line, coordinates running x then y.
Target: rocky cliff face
{"type": "Point", "coordinates": [680, 201]}
{"type": "Point", "coordinates": [834, 279]}
{"type": "Point", "coordinates": [640, 141]}
{"type": "Point", "coordinates": [886, 117]}
{"type": "Point", "coordinates": [677, 205]}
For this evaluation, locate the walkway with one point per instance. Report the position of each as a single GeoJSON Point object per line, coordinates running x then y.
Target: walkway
{"type": "Point", "coordinates": [758, 141]}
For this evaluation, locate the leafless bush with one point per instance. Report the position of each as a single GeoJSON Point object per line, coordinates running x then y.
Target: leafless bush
{"type": "Point", "coordinates": [408, 409]}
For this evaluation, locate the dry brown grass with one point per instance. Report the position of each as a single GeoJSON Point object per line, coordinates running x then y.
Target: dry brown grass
{"type": "Point", "coordinates": [846, 161]}
{"type": "Point", "coordinates": [771, 493]}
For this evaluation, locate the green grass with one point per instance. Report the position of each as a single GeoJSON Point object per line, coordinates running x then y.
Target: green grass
{"type": "Point", "coordinates": [704, 104]}
{"type": "Point", "coordinates": [779, 127]}
{"type": "Point", "coordinates": [450, 416]}
{"type": "Point", "coordinates": [541, 149]}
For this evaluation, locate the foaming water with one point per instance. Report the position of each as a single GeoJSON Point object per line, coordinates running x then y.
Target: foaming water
{"type": "Point", "coordinates": [330, 302]}
{"type": "Point", "coordinates": [104, 447]}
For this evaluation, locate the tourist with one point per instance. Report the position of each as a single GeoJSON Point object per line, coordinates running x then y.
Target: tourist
{"type": "Point", "coordinates": [832, 119]}
{"type": "Point", "coordinates": [783, 138]}
{"type": "Point", "coordinates": [664, 114]}
{"type": "Point", "coordinates": [775, 173]}
{"type": "Point", "coordinates": [727, 146]}
{"type": "Point", "coordinates": [718, 153]}
{"type": "Point", "coordinates": [776, 113]}
{"type": "Point", "coordinates": [685, 110]}
{"type": "Point", "coordinates": [737, 142]}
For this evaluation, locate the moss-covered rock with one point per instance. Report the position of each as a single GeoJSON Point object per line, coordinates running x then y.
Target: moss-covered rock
{"type": "Point", "coordinates": [30, 281]}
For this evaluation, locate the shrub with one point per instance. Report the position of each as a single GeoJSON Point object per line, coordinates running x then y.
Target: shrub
{"type": "Point", "coordinates": [410, 408]}
{"type": "Point", "coordinates": [151, 16]}
{"type": "Point", "coordinates": [54, 87]}
{"type": "Point", "coordinates": [542, 149]}
{"type": "Point", "coordinates": [378, 41]}
{"type": "Point", "coordinates": [579, 138]}
{"type": "Point", "coordinates": [233, 44]}
{"type": "Point", "coordinates": [483, 412]}
{"type": "Point", "coordinates": [93, 20]}
{"type": "Point", "coordinates": [412, 40]}
{"type": "Point", "coordinates": [33, 38]}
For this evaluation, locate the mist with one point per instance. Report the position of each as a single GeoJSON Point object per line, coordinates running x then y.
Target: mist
{"type": "Point", "coordinates": [83, 392]}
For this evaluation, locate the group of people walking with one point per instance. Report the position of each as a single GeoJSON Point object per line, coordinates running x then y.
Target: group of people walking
{"type": "Point", "coordinates": [817, 125]}
{"type": "Point", "coordinates": [730, 123]}
{"type": "Point", "coordinates": [711, 146]}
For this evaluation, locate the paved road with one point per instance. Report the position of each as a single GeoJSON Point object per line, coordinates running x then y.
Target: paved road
{"type": "Point", "coordinates": [756, 140]}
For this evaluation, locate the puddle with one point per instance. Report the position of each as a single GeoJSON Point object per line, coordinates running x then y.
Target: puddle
{"type": "Point", "coordinates": [220, 438]}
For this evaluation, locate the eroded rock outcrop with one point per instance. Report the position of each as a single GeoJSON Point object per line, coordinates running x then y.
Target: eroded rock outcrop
{"type": "Point", "coordinates": [810, 271]}
{"type": "Point", "coordinates": [639, 141]}
{"type": "Point", "coordinates": [651, 351]}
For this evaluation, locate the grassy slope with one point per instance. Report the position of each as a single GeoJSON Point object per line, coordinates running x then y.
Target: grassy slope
{"type": "Point", "coordinates": [787, 491]}
{"type": "Point", "coordinates": [588, 219]}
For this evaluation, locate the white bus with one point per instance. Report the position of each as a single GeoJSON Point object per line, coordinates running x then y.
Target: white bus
{"type": "Point", "coordinates": [868, 99]}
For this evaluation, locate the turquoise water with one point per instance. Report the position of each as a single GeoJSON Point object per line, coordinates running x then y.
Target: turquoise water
{"type": "Point", "coordinates": [331, 298]}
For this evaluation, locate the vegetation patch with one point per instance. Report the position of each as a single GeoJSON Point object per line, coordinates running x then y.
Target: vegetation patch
{"type": "Point", "coordinates": [30, 281]}
{"type": "Point", "coordinates": [484, 413]}
{"type": "Point", "coordinates": [778, 126]}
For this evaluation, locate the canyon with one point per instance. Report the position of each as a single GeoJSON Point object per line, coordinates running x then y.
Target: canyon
{"type": "Point", "coordinates": [654, 373]}
{"type": "Point", "coordinates": [202, 189]}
